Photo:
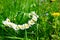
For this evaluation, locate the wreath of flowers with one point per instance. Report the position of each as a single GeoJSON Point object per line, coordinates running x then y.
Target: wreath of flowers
{"type": "Point", "coordinates": [23, 26]}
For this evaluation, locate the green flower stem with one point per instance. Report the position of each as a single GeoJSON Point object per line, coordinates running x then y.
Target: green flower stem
{"type": "Point", "coordinates": [37, 32]}
{"type": "Point", "coordinates": [25, 34]}
{"type": "Point", "coordinates": [56, 29]}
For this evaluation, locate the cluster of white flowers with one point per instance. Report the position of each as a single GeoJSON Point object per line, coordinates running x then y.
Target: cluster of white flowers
{"type": "Point", "coordinates": [24, 26]}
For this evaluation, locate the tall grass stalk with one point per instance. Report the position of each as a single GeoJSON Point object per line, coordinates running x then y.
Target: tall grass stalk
{"type": "Point", "coordinates": [37, 32]}
{"type": "Point", "coordinates": [25, 34]}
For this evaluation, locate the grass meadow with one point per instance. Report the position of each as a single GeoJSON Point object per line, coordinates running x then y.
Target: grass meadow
{"type": "Point", "coordinates": [47, 26]}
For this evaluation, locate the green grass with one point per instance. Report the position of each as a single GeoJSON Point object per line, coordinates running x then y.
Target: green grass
{"type": "Point", "coordinates": [46, 28]}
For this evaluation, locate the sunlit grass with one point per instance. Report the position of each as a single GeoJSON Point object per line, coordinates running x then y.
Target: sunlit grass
{"type": "Point", "coordinates": [46, 28]}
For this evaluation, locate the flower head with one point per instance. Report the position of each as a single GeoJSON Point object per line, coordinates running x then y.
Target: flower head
{"type": "Point", "coordinates": [31, 22]}
{"type": "Point", "coordinates": [14, 26]}
{"type": "Point", "coordinates": [34, 18]}
{"type": "Point", "coordinates": [26, 26]}
{"type": "Point", "coordinates": [10, 24]}
{"type": "Point", "coordinates": [55, 14]}
{"type": "Point", "coordinates": [8, 20]}
{"type": "Point", "coordinates": [21, 27]}
{"type": "Point", "coordinates": [5, 23]}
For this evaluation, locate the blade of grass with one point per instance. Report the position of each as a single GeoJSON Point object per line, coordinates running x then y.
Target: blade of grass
{"type": "Point", "coordinates": [11, 37]}
{"type": "Point", "coordinates": [37, 32]}
{"type": "Point", "coordinates": [25, 34]}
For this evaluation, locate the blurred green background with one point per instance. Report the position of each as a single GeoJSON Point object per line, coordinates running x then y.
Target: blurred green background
{"type": "Point", "coordinates": [46, 28]}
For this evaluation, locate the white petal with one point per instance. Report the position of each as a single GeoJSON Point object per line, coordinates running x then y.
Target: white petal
{"type": "Point", "coordinates": [33, 13]}
{"type": "Point", "coordinates": [10, 24]}
{"type": "Point", "coordinates": [21, 27]}
{"type": "Point", "coordinates": [26, 26]}
{"type": "Point", "coordinates": [34, 18]}
{"type": "Point", "coordinates": [7, 20]}
{"type": "Point", "coordinates": [14, 26]}
{"type": "Point", "coordinates": [31, 22]}
{"type": "Point", "coordinates": [6, 23]}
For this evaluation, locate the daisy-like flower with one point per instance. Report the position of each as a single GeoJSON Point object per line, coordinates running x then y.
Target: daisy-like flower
{"type": "Point", "coordinates": [55, 14]}
{"type": "Point", "coordinates": [14, 26]}
{"type": "Point", "coordinates": [10, 24]}
{"type": "Point", "coordinates": [31, 22]}
{"type": "Point", "coordinates": [5, 23]}
{"type": "Point", "coordinates": [26, 26]}
{"type": "Point", "coordinates": [21, 27]}
{"type": "Point", "coordinates": [34, 18]}
{"type": "Point", "coordinates": [8, 20]}
{"type": "Point", "coordinates": [33, 13]}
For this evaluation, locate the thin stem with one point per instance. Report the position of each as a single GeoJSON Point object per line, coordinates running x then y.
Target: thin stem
{"type": "Point", "coordinates": [56, 31]}
{"type": "Point", "coordinates": [37, 31]}
{"type": "Point", "coordinates": [25, 34]}
{"type": "Point", "coordinates": [11, 37]}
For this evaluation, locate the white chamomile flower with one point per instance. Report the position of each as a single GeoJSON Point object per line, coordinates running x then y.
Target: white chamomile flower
{"type": "Point", "coordinates": [34, 18]}
{"type": "Point", "coordinates": [26, 26]}
{"type": "Point", "coordinates": [31, 22]}
{"type": "Point", "coordinates": [21, 27]}
{"type": "Point", "coordinates": [14, 26]}
{"type": "Point", "coordinates": [5, 23]}
{"type": "Point", "coordinates": [7, 20]}
{"type": "Point", "coordinates": [33, 13]}
{"type": "Point", "coordinates": [10, 24]}
{"type": "Point", "coordinates": [37, 16]}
